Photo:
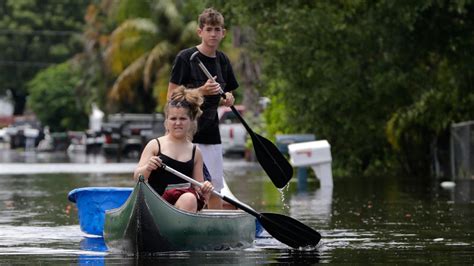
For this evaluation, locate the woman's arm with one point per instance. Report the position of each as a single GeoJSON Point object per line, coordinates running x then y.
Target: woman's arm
{"type": "Point", "coordinates": [198, 175]}
{"type": "Point", "coordinates": [198, 166]}
{"type": "Point", "coordinates": [148, 160]}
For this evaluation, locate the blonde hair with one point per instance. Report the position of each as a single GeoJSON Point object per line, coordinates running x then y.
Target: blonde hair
{"type": "Point", "coordinates": [188, 99]}
{"type": "Point", "coordinates": [212, 17]}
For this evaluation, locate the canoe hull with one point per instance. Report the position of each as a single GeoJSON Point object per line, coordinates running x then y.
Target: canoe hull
{"type": "Point", "coordinates": [148, 224]}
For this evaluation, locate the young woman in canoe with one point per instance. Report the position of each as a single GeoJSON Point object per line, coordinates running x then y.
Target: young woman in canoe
{"type": "Point", "coordinates": [176, 150]}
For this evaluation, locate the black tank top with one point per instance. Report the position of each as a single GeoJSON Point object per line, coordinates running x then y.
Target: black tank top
{"type": "Point", "coordinates": [159, 179]}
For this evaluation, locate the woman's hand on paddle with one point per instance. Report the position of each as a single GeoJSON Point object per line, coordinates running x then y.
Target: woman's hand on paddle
{"type": "Point", "coordinates": [206, 189]}
{"type": "Point", "coordinates": [153, 163]}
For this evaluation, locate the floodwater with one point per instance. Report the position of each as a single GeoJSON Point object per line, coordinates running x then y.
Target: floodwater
{"type": "Point", "coordinates": [361, 220]}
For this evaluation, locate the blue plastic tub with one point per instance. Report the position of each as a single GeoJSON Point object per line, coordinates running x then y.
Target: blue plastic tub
{"type": "Point", "coordinates": [92, 202]}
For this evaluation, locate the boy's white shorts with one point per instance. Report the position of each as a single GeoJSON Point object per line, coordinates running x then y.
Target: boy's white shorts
{"type": "Point", "coordinates": [212, 157]}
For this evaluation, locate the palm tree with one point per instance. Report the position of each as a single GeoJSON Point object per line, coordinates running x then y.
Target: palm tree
{"type": "Point", "coordinates": [93, 78]}
{"type": "Point", "coordinates": [139, 54]}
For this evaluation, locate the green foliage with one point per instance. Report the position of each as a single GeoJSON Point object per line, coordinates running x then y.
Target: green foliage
{"type": "Point", "coordinates": [416, 131]}
{"type": "Point", "coordinates": [128, 42]}
{"type": "Point", "coordinates": [341, 69]}
{"type": "Point", "coordinates": [53, 98]}
{"type": "Point", "coordinates": [378, 79]}
{"type": "Point", "coordinates": [33, 35]}
{"type": "Point", "coordinates": [141, 50]}
{"type": "Point", "coordinates": [145, 35]}
{"type": "Point", "coordinates": [131, 9]}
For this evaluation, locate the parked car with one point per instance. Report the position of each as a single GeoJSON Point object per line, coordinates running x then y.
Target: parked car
{"type": "Point", "coordinates": [94, 141]}
{"type": "Point", "coordinates": [77, 141]}
{"type": "Point", "coordinates": [127, 134]}
{"type": "Point", "coordinates": [233, 133]}
{"type": "Point", "coordinates": [24, 132]}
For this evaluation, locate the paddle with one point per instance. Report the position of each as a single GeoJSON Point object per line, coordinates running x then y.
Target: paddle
{"type": "Point", "coordinates": [285, 229]}
{"type": "Point", "coordinates": [270, 158]}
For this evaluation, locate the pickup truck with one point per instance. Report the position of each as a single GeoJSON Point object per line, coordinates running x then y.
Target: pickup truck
{"type": "Point", "coordinates": [128, 134]}
{"type": "Point", "coordinates": [233, 133]}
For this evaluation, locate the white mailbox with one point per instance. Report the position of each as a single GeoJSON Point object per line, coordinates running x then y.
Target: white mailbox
{"type": "Point", "coordinates": [317, 155]}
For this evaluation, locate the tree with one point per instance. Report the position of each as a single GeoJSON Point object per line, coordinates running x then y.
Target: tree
{"type": "Point", "coordinates": [141, 50]}
{"type": "Point", "coordinates": [35, 34]}
{"type": "Point", "coordinates": [93, 76]}
{"type": "Point", "coordinates": [52, 96]}
{"type": "Point", "coordinates": [343, 69]}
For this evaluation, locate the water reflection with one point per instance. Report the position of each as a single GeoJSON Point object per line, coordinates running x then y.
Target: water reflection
{"type": "Point", "coordinates": [32, 156]}
{"type": "Point", "coordinates": [95, 244]}
{"type": "Point", "coordinates": [265, 250]}
{"type": "Point", "coordinates": [20, 240]}
{"type": "Point", "coordinates": [92, 243]}
{"type": "Point", "coordinates": [463, 192]}
{"type": "Point", "coordinates": [308, 205]}
{"type": "Point", "coordinates": [262, 251]}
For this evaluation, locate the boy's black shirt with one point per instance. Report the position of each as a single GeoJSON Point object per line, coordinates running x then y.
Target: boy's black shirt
{"type": "Point", "coordinates": [189, 74]}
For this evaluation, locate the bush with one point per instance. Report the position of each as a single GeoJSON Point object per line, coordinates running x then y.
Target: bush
{"type": "Point", "coordinates": [53, 99]}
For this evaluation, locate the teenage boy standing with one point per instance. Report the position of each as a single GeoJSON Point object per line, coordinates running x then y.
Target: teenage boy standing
{"type": "Point", "coordinates": [211, 31]}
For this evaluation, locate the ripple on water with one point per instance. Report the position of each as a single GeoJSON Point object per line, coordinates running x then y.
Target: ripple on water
{"type": "Point", "coordinates": [18, 240]}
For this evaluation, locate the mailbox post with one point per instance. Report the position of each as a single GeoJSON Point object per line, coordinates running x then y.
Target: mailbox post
{"type": "Point", "coordinates": [283, 141]}
{"type": "Point", "coordinates": [316, 154]}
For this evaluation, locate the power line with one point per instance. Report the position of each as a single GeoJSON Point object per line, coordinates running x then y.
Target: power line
{"type": "Point", "coordinates": [25, 63]}
{"type": "Point", "coordinates": [39, 32]}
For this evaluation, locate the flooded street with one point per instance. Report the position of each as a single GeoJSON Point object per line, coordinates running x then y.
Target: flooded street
{"type": "Point", "coordinates": [361, 220]}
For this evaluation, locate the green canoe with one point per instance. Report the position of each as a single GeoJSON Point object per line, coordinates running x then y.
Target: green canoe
{"type": "Point", "coordinates": [146, 223]}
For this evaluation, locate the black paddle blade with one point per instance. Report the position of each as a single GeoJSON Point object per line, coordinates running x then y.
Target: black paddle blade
{"type": "Point", "coordinates": [288, 230]}
{"type": "Point", "coordinates": [272, 161]}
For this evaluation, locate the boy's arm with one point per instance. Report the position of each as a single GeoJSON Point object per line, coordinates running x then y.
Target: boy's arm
{"type": "Point", "coordinates": [171, 89]}
{"type": "Point", "coordinates": [209, 88]}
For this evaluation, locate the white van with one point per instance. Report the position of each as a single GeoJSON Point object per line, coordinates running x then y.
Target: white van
{"type": "Point", "coordinates": [233, 133]}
